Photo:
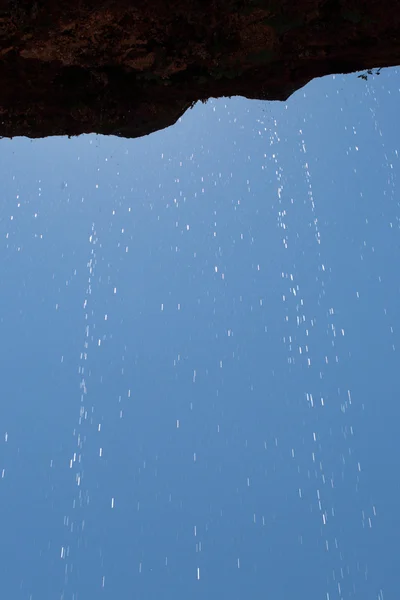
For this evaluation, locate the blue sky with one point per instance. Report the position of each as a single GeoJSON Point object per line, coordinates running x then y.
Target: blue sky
{"type": "Point", "coordinates": [200, 354]}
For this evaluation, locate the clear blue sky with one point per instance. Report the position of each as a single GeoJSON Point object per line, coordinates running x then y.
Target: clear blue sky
{"type": "Point", "coordinates": [199, 357]}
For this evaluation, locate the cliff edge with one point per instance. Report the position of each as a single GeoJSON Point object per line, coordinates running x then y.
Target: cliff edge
{"type": "Point", "coordinates": [131, 67]}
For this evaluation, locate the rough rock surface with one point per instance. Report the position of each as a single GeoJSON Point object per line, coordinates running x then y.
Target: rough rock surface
{"type": "Point", "coordinates": [131, 67]}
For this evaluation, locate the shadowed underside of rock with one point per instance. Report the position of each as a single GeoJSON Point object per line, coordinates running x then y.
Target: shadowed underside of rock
{"type": "Point", "coordinates": [131, 67]}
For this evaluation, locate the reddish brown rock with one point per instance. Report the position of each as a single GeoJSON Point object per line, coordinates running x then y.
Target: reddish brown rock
{"type": "Point", "coordinates": [131, 67]}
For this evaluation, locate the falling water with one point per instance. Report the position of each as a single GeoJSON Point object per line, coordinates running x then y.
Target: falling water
{"type": "Point", "coordinates": [206, 321]}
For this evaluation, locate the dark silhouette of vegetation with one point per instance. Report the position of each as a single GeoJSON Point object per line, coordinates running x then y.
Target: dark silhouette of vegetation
{"type": "Point", "coordinates": [364, 76]}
